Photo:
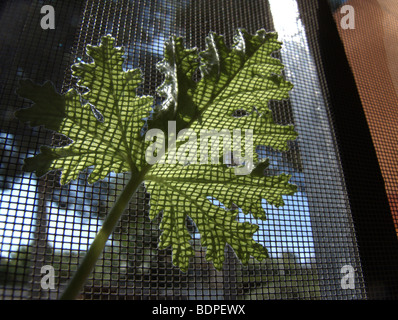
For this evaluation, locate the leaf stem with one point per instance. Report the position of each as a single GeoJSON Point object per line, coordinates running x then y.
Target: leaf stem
{"type": "Point", "coordinates": [73, 289]}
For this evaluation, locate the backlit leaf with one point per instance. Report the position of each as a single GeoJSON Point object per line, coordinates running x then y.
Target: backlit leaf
{"type": "Point", "coordinates": [104, 124]}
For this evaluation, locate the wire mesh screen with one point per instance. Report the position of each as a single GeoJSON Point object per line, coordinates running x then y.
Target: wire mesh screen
{"type": "Point", "coordinates": [311, 240]}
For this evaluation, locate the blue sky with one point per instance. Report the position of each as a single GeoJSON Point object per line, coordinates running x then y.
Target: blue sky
{"type": "Point", "coordinates": [66, 229]}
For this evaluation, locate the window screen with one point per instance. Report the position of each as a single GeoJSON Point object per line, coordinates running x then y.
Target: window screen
{"type": "Point", "coordinates": [313, 240]}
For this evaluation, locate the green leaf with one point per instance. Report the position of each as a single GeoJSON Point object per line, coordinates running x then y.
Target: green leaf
{"type": "Point", "coordinates": [104, 124]}
{"type": "Point", "coordinates": [109, 142]}
{"type": "Point", "coordinates": [49, 107]}
{"type": "Point", "coordinates": [185, 191]}
{"type": "Point", "coordinates": [244, 77]}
